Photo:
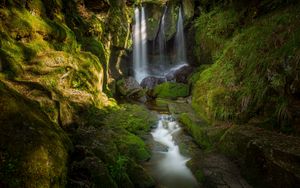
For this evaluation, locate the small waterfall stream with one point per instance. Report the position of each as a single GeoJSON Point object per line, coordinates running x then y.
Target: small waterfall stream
{"type": "Point", "coordinates": [180, 42]}
{"type": "Point", "coordinates": [140, 59]}
{"type": "Point", "coordinates": [167, 165]}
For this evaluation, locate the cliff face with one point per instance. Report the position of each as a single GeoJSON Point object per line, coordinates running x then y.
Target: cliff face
{"type": "Point", "coordinates": [155, 10]}
{"type": "Point", "coordinates": [54, 68]}
{"type": "Point", "coordinates": [60, 51]}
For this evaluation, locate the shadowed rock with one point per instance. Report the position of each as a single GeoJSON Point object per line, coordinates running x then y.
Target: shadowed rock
{"type": "Point", "coordinates": [130, 88]}
{"type": "Point", "coordinates": [180, 75]}
{"type": "Point", "coordinates": [151, 81]}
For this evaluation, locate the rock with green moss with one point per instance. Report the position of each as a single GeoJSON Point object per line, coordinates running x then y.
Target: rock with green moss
{"type": "Point", "coordinates": [206, 136]}
{"type": "Point", "coordinates": [266, 158]}
{"type": "Point", "coordinates": [90, 172]}
{"type": "Point", "coordinates": [171, 90]}
{"type": "Point", "coordinates": [154, 12]}
{"type": "Point", "coordinates": [33, 149]}
{"type": "Point", "coordinates": [130, 88]}
{"type": "Point", "coordinates": [114, 138]}
{"type": "Point", "coordinates": [42, 61]}
{"type": "Point", "coordinates": [140, 177]}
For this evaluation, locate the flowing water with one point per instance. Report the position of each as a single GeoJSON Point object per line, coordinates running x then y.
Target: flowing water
{"type": "Point", "coordinates": [140, 59]}
{"type": "Point", "coordinates": [158, 67]}
{"type": "Point", "coordinates": [167, 165]}
{"type": "Point", "coordinates": [180, 41]}
{"type": "Point", "coordinates": [162, 39]}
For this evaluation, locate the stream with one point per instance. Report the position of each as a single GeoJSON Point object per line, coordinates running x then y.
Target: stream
{"type": "Point", "coordinates": [168, 165]}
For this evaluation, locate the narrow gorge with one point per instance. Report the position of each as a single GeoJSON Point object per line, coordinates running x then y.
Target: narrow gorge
{"type": "Point", "coordinates": [149, 93]}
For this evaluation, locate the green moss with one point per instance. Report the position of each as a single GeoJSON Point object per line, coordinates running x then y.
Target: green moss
{"type": "Point", "coordinates": [171, 90]}
{"type": "Point", "coordinates": [196, 131]}
{"type": "Point", "coordinates": [205, 135]}
{"type": "Point", "coordinates": [200, 176]}
{"type": "Point", "coordinates": [128, 122]}
{"type": "Point", "coordinates": [134, 118]}
{"type": "Point", "coordinates": [106, 136]}
{"type": "Point", "coordinates": [34, 151]}
{"type": "Point", "coordinates": [95, 47]}
{"type": "Point", "coordinates": [133, 146]}
{"type": "Point", "coordinates": [252, 64]}
{"type": "Point", "coordinates": [119, 168]}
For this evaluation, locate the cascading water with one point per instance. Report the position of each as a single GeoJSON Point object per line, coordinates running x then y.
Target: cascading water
{"type": "Point", "coordinates": [162, 38]}
{"type": "Point", "coordinates": [180, 42]}
{"type": "Point", "coordinates": [168, 165]}
{"type": "Point", "coordinates": [140, 59]}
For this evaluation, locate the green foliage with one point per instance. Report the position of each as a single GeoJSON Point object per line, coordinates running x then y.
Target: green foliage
{"type": "Point", "coordinates": [254, 64]}
{"type": "Point", "coordinates": [213, 29]}
{"type": "Point", "coordinates": [119, 168]}
{"type": "Point", "coordinates": [200, 176]}
{"type": "Point", "coordinates": [171, 90]}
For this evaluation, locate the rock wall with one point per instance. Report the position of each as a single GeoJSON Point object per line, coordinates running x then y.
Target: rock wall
{"type": "Point", "coordinates": [57, 59]}
{"type": "Point", "coordinates": [155, 9]}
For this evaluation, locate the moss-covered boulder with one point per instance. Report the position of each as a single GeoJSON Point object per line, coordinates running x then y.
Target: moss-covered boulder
{"type": "Point", "coordinates": [130, 88]}
{"type": "Point", "coordinates": [267, 159]}
{"type": "Point", "coordinates": [33, 149]}
{"type": "Point", "coordinates": [112, 142]}
{"type": "Point", "coordinates": [171, 90]}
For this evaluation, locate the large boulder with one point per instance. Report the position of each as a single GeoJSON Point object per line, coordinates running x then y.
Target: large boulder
{"type": "Point", "coordinates": [180, 74]}
{"type": "Point", "coordinates": [130, 88]}
{"type": "Point", "coordinates": [267, 159]}
{"type": "Point", "coordinates": [151, 81]}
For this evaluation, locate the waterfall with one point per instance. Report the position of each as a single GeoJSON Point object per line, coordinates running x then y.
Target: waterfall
{"type": "Point", "coordinates": [162, 38]}
{"type": "Point", "coordinates": [140, 59]}
{"type": "Point", "coordinates": [180, 42]}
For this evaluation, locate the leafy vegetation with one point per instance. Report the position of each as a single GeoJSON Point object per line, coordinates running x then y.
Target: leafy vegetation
{"type": "Point", "coordinates": [254, 62]}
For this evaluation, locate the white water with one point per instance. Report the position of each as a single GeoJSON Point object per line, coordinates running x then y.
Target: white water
{"type": "Point", "coordinates": [162, 38]}
{"type": "Point", "coordinates": [140, 59]}
{"type": "Point", "coordinates": [169, 167]}
{"type": "Point", "coordinates": [180, 41]}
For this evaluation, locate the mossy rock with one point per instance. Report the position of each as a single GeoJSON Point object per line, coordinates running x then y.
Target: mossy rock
{"type": "Point", "coordinates": [132, 146]}
{"type": "Point", "coordinates": [33, 150]}
{"type": "Point", "coordinates": [130, 88]}
{"type": "Point", "coordinates": [134, 118]}
{"type": "Point", "coordinates": [90, 172]}
{"type": "Point", "coordinates": [205, 135]}
{"type": "Point", "coordinates": [139, 176]}
{"type": "Point", "coordinates": [171, 90]}
{"type": "Point", "coordinates": [267, 159]}
{"type": "Point", "coordinates": [114, 137]}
